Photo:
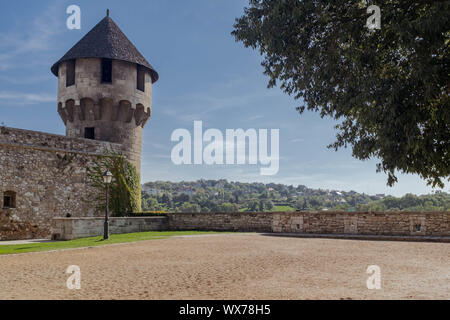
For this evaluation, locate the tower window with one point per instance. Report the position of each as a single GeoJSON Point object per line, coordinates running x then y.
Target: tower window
{"type": "Point", "coordinates": [70, 73]}
{"type": "Point", "coordinates": [140, 78]}
{"type": "Point", "coordinates": [89, 133]}
{"type": "Point", "coordinates": [106, 71]}
{"type": "Point", "coordinates": [9, 199]}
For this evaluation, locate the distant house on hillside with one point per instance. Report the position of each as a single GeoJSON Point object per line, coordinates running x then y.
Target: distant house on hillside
{"type": "Point", "coordinates": [184, 190]}
{"type": "Point", "coordinates": [152, 191]}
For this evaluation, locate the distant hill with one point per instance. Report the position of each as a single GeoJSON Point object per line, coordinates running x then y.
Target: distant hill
{"type": "Point", "coordinates": [225, 196]}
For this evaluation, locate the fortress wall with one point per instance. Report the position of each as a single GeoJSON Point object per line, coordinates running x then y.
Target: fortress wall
{"type": "Point", "coordinates": [73, 228]}
{"type": "Point", "coordinates": [236, 221]}
{"type": "Point", "coordinates": [54, 142]}
{"type": "Point", "coordinates": [358, 223]}
{"type": "Point", "coordinates": [396, 225]}
{"type": "Point", "coordinates": [47, 175]}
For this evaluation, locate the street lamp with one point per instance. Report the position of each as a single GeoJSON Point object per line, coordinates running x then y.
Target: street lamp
{"type": "Point", "coordinates": [107, 177]}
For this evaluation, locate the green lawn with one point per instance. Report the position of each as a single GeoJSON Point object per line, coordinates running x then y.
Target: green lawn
{"type": "Point", "coordinates": [274, 209]}
{"type": "Point", "coordinates": [95, 241]}
{"type": "Point", "coordinates": [283, 208]}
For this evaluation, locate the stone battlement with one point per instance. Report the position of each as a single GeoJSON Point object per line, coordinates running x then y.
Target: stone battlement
{"type": "Point", "coordinates": [20, 138]}
{"type": "Point", "coordinates": [105, 109]}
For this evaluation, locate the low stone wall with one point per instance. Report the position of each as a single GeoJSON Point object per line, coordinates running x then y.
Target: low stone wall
{"type": "Point", "coordinates": [73, 228]}
{"type": "Point", "coordinates": [340, 223]}
{"type": "Point", "coordinates": [236, 221]}
{"type": "Point", "coordinates": [363, 223]}
{"type": "Point", "coordinates": [387, 223]}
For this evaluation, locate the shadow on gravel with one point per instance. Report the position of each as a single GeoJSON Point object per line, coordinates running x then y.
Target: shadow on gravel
{"type": "Point", "coordinates": [360, 237]}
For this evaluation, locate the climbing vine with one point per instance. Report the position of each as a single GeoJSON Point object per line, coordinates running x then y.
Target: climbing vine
{"type": "Point", "coordinates": [125, 188]}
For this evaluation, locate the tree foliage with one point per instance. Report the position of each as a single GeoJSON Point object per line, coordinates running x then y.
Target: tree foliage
{"type": "Point", "coordinates": [125, 188]}
{"type": "Point", "coordinates": [217, 196]}
{"type": "Point", "coordinates": [388, 88]}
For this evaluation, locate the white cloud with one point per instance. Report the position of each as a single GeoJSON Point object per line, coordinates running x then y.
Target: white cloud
{"type": "Point", "coordinates": [207, 104]}
{"type": "Point", "coordinates": [30, 79]}
{"type": "Point", "coordinates": [34, 37]}
{"type": "Point", "coordinates": [18, 98]}
{"type": "Point", "coordinates": [256, 117]}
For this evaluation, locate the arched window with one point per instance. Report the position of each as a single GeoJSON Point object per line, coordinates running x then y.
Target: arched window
{"type": "Point", "coordinates": [9, 199]}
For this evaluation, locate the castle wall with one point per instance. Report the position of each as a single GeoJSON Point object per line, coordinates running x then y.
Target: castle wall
{"type": "Point", "coordinates": [393, 225]}
{"type": "Point", "coordinates": [346, 223]}
{"type": "Point", "coordinates": [74, 228]}
{"type": "Point", "coordinates": [47, 174]}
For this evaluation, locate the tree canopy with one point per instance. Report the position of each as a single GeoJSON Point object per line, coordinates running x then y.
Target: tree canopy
{"type": "Point", "coordinates": [389, 87]}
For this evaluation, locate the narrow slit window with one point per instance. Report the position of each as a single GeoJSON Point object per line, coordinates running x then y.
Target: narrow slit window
{"type": "Point", "coordinates": [70, 73]}
{"type": "Point", "coordinates": [140, 78]}
{"type": "Point", "coordinates": [106, 71]}
{"type": "Point", "coordinates": [89, 133]}
{"type": "Point", "coordinates": [9, 199]}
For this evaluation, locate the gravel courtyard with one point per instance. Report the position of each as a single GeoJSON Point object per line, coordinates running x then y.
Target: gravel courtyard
{"type": "Point", "coordinates": [233, 266]}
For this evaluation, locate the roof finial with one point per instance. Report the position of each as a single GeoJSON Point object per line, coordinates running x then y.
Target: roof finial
{"type": "Point", "coordinates": [107, 12]}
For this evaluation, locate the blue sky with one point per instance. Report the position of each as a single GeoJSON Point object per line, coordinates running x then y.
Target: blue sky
{"type": "Point", "coordinates": [204, 75]}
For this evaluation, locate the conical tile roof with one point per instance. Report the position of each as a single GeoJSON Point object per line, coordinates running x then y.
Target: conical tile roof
{"type": "Point", "coordinates": [106, 40]}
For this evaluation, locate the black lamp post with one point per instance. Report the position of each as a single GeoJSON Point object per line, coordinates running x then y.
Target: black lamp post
{"type": "Point", "coordinates": [107, 177]}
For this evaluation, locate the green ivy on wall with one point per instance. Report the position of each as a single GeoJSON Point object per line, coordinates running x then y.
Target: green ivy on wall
{"type": "Point", "coordinates": [125, 188]}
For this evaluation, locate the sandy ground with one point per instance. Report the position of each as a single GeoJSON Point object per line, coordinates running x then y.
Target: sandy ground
{"type": "Point", "coordinates": [233, 267]}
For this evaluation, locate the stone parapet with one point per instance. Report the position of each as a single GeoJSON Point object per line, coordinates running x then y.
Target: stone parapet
{"type": "Point", "coordinates": [363, 223]}
{"type": "Point", "coordinates": [73, 228]}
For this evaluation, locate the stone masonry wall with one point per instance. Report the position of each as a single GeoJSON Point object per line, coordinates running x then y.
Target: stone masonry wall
{"type": "Point", "coordinates": [73, 228]}
{"type": "Point", "coordinates": [47, 174]}
{"type": "Point", "coordinates": [236, 221]}
{"type": "Point", "coordinates": [346, 223]}
{"type": "Point", "coordinates": [364, 223]}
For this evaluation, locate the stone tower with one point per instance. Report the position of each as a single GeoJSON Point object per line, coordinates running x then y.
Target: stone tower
{"type": "Point", "coordinates": [105, 89]}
